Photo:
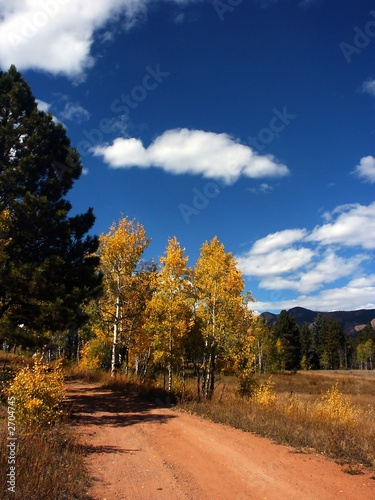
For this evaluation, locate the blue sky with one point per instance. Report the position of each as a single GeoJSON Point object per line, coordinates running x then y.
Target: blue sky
{"type": "Point", "coordinates": [251, 120]}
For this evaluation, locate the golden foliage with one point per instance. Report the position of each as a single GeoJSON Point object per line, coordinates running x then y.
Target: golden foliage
{"type": "Point", "coordinates": [264, 394]}
{"type": "Point", "coordinates": [169, 312]}
{"type": "Point", "coordinates": [337, 408]}
{"type": "Point", "coordinates": [89, 359]}
{"type": "Point", "coordinates": [38, 393]}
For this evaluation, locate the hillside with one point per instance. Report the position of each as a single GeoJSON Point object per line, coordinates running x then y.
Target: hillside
{"type": "Point", "coordinates": [349, 320]}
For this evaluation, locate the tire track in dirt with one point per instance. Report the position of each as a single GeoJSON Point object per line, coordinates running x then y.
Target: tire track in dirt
{"type": "Point", "coordinates": [137, 451]}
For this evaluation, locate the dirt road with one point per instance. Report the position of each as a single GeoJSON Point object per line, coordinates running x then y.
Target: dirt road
{"type": "Point", "coordinates": [136, 450]}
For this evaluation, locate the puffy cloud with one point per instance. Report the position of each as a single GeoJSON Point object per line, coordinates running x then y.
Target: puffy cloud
{"type": "Point", "coordinates": [346, 298]}
{"type": "Point", "coordinates": [327, 269]}
{"type": "Point", "coordinates": [355, 226]}
{"type": "Point", "coordinates": [278, 240]}
{"type": "Point", "coordinates": [57, 35]}
{"type": "Point", "coordinates": [274, 263]}
{"type": "Point", "coordinates": [300, 261]}
{"type": "Point", "coordinates": [363, 282]}
{"type": "Point", "coordinates": [184, 151]}
{"type": "Point", "coordinates": [366, 168]}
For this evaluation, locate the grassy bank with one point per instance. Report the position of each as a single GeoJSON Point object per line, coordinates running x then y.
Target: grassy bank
{"type": "Point", "coordinates": [332, 413]}
{"type": "Point", "coordinates": [41, 458]}
{"type": "Point", "coordinates": [48, 464]}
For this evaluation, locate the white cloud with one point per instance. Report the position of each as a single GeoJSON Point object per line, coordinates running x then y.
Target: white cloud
{"type": "Point", "coordinates": [42, 105]}
{"type": "Point", "coordinates": [57, 35]}
{"type": "Point", "coordinates": [347, 298]}
{"type": "Point", "coordinates": [369, 87]}
{"type": "Point", "coordinates": [366, 168]}
{"type": "Point", "coordinates": [355, 226]}
{"type": "Point", "coordinates": [363, 282]}
{"type": "Point", "coordinates": [274, 263]}
{"type": "Point", "coordinates": [75, 112]}
{"type": "Point", "coordinates": [327, 269]}
{"type": "Point", "coordinates": [184, 151]}
{"type": "Point", "coordinates": [265, 188]}
{"type": "Point", "coordinates": [280, 239]}
{"type": "Point", "coordinates": [323, 256]}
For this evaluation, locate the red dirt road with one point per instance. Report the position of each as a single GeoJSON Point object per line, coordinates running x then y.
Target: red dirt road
{"type": "Point", "coordinates": [138, 451]}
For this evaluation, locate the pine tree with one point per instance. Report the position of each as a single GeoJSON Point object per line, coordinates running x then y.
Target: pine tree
{"type": "Point", "coordinates": [305, 342]}
{"type": "Point", "coordinates": [333, 344]}
{"type": "Point", "coordinates": [48, 266]}
{"type": "Point", "coordinates": [315, 349]}
{"type": "Point", "coordinates": [286, 329]}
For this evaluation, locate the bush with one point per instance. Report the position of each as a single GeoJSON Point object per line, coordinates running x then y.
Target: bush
{"type": "Point", "coordinates": [337, 408]}
{"type": "Point", "coordinates": [264, 394]}
{"type": "Point", "coordinates": [38, 393]}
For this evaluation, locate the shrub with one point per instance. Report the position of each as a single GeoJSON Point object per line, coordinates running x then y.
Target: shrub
{"type": "Point", "coordinates": [38, 393]}
{"type": "Point", "coordinates": [337, 408]}
{"type": "Point", "coordinates": [264, 394]}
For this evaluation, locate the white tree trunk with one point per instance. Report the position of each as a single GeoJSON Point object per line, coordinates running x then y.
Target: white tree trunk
{"type": "Point", "coordinates": [115, 336]}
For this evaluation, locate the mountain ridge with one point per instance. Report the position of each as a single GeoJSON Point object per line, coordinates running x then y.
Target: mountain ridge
{"type": "Point", "coordinates": [349, 320]}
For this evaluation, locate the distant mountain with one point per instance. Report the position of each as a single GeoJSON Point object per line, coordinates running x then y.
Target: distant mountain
{"type": "Point", "coordinates": [349, 320]}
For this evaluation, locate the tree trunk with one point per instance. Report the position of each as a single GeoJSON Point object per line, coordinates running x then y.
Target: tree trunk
{"type": "Point", "coordinates": [147, 360]}
{"type": "Point", "coordinates": [127, 361]}
{"type": "Point", "coordinates": [183, 379]}
{"type": "Point", "coordinates": [170, 362]}
{"type": "Point", "coordinates": [115, 336]}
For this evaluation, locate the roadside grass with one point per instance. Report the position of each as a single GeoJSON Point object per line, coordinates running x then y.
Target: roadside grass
{"type": "Point", "coordinates": [149, 389]}
{"type": "Point", "coordinates": [308, 411]}
{"type": "Point", "coordinates": [48, 464]}
{"type": "Point", "coordinates": [48, 461]}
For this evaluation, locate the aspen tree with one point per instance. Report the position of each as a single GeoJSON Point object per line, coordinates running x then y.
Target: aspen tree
{"type": "Point", "coordinates": [169, 312]}
{"type": "Point", "coordinates": [121, 250]}
{"type": "Point", "coordinates": [220, 308]}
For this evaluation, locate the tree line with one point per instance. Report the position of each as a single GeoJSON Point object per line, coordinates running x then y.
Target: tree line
{"type": "Point", "coordinates": [168, 317]}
